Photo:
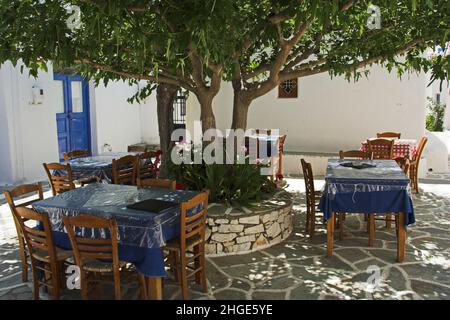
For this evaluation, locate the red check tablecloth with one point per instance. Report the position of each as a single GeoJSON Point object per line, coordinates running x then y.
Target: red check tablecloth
{"type": "Point", "coordinates": [402, 147]}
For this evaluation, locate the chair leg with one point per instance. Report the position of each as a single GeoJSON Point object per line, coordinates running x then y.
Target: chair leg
{"type": "Point", "coordinates": [84, 286]}
{"type": "Point", "coordinates": [202, 265]}
{"type": "Point", "coordinates": [341, 225]}
{"type": "Point", "coordinates": [143, 286]}
{"type": "Point", "coordinates": [371, 224]}
{"type": "Point", "coordinates": [308, 221]}
{"type": "Point", "coordinates": [388, 220]}
{"type": "Point", "coordinates": [312, 225]}
{"type": "Point", "coordinates": [35, 284]}
{"type": "Point", "coordinates": [56, 281]}
{"type": "Point", "coordinates": [174, 264]}
{"type": "Point", "coordinates": [183, 276]}
{"type": "Point", "coordinates": [23, 257]}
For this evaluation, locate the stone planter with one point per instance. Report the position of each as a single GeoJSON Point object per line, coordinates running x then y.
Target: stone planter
{"type": "Point", "coordinates": [232, 230]}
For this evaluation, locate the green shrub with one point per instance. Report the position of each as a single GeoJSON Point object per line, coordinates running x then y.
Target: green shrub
{"type": "Point", "coordinates": [435, 119]}
{"type": "Point", "coordinates": [227, 183]}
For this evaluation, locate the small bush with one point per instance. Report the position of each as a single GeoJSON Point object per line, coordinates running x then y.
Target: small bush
{"type": "Point", "coordinates": [435, 119]}
{"type": "Point", "coordinates": [227, 183]}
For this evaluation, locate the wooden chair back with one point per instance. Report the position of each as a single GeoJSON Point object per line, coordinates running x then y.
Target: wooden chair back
{"type": "Point", "coordinates": [74, 154]}
{"type": "Point", "coordinates": [404, 164]}
{"type": "Point", "coordinates": [160, 183]}
{"type": "Point", "coordinates": [30, 190]}
{"type": "Point", "coordinates": [41, 249]}
{"type": "Point", "coordinates": [419, 152]}
{"type": "Point", "coordinates": [91, 248]}
{"type": "Point", "coordinates": [146, 167]}
{"type": "Point", "coordinates": [36, 240]}
{"type": "Point", "coordinates": [23, 190]}
{"type": "Point", "coordinates": [381, 148]}
{"type": "Point", "coordinates": [389, 135]}
{"type": "Point", "coordinates": [137, 149]}
{"type": "Point", "coordinates": [60, 177]}
{"type": "Point", "coordinates": [193, 225]}
{"type": "Point", "coordinates": [309, 184]}
{"type": "Point", "coordinates": [355, 154]}
{"type": "Point", "coordinates": [124, 170]}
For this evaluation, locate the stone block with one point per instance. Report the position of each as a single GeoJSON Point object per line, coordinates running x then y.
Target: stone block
{"type": "Point", "coordinates": [274, 230]}
{"type": "Point", "coordinates": [223, 237]}
{"type": "Point", "coordinates": [249, 220]}
{"type": "Point", "coordinates": [226, 228]}
{"type": "Point", "coordinates": [255, 229]}
{"type": "Point", "coordinates": [250, 238]}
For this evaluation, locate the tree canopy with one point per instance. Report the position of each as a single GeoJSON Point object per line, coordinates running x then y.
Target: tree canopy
{"type": "Point", "coordinates": [195, 44]}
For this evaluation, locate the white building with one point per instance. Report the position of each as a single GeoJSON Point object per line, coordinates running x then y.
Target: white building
{"type": "Point", "coordinates": [328, 116]}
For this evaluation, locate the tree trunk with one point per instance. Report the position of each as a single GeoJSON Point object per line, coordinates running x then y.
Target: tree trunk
{"type": "Point", "coordinates": [165, 95]}
{"type": "Point", "coordinates": [206, 112]}
{"type": "Point", "coordinates": [240, 110]}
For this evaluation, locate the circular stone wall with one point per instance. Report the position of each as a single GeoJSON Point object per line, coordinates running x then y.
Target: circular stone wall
{"type": "Point", "coordinates": [233, 230]}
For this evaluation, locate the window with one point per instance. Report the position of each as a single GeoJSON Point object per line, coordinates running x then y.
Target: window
{"type": "Point", "coordinates": [288, 89]}
{"type": "Point", "coordinates": [179, 110]}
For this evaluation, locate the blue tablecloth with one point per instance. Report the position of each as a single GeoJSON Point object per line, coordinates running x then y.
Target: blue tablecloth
{"type": "Point", "coordinates": [381, 189]}
{"type": "Point", "coordinates": [99, 166]}
{"type": "Point", "coordinates": [141, 234]}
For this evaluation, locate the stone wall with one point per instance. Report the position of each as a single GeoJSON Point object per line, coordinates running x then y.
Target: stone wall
{"type": "Point", "coordinates": [245, 229]}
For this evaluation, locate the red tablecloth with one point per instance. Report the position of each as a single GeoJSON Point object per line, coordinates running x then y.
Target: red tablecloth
{"type": "Point", "coordinates": [402, 147]}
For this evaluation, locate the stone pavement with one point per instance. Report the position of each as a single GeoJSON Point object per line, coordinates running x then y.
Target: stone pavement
{"type": "Point", "coordinates": [298, 268]}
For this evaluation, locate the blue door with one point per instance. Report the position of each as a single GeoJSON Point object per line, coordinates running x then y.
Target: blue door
{"type": "Point", "coordinates": [72, 117]}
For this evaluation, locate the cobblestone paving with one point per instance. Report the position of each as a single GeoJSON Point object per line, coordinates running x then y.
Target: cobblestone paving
{"type": "Point", "coordinates": [298, 267]}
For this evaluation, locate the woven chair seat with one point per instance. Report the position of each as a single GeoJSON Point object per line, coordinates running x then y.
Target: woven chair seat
{"type": "Point", "coordinates": [43, 255]}
{"type": "Point", "coordinates": [174, 244]}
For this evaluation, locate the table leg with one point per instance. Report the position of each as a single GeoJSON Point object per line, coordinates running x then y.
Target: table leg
{"type": "Point", "coordinates": [371, 224]}
{"type": "Point", "coordinates": [401, 237]}
{"type": "Point", "coordinates": [154, 288]}
{"type": "Point", "coordinates": [341, 226]}
{"type": "Point", "coordinates": [330, 235]}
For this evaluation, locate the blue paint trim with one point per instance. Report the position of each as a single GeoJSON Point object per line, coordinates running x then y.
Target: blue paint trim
{"type": "Point", "coordinates": [67, 79]}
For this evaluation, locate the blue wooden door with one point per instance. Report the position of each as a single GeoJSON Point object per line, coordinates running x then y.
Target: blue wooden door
{"type": "Point", "coordinates": [72, 117]}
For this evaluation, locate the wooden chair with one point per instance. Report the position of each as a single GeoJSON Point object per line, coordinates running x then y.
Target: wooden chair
{"type": "Point", "coordinates": [187, 252]}
{"type": "Point", "coordinates": [95, 256]}
{"type": "Point", "coordinates": [146, 167]}
{"type": "Point", "coordinates": [161, 183]}
{"type": "Point", "coordinates": [389, 135]}
{"type": "Point", "coordinates": [414, 165]}
{"type": "Point", "coordinates": [403, 163]}
{"type": "Point", "coordinates": [312, 198]}
{"type": "Point", "coordinates": [381, 148]}
{"type": "Point", "coordinates": [10, 196]}
{"type": "Point", "coordinates": [137, 149]}
{"type": "Point", "coordinates": [74, 154]}
{"type": "Point", "coordinates": [355, 154]}
{"type": "Point", "coordinates": [45, 257]}
{"type": "Point", "coordinates": [124, 170]}
{"type": "Point", "coordinates": [62, 181]}
{"type": "Point", "coordinates": [263, 131]}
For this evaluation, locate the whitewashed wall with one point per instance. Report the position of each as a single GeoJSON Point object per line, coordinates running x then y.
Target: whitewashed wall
{"type": "Point", "coordinates": [330, 115]}
{"type": "Point", "coordinates": [31, 129]}
{"type": "Point", "coordinates": [118, 123]}
{"type": "Point", "coordinates": [28, 134]}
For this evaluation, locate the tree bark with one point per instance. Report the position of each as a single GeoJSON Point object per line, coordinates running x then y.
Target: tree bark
{"type": "Point", "coordinates": [165, 96]}
{"type": "Point", "coordinates": [240, 110]}
{"type": "Point", "coordinates": [206, 111]}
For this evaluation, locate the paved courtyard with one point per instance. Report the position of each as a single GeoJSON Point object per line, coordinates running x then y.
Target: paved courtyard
{"type": "Point", "coordinates": [298, 267]}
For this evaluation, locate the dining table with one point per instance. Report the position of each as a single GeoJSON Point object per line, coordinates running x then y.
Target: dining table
{"type": "Point", "coordinates": [98, 166]}
{"type": "Point", "coordinates": [402, 147]}
{"type": "Point", "coordinates": [141, 234]}
{"type": "Point", "coordinates": [367, 187]}
{"type": "Point", "coordinates": [270, 147]}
